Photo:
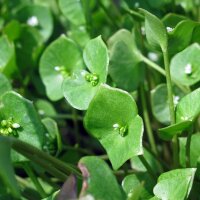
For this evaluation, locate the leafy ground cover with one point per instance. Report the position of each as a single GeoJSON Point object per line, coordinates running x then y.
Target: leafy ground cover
{"type": "Point", "coordinates": [99, 100]}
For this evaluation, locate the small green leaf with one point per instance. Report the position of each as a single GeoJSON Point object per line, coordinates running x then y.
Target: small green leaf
{"type": "Point", "coordinates": [4, 84]}
{"type": "Point", "coordinates": [125, 59]}
{"type": "Point", "coordinates": [175, 184]}
{"type": "Point", "coordinates": [112, 118]}
{"type": "Point", "coordinates": [189, 107]}
{"type": "Point", "coordinates": [6, 170]}
{"type": "Point", "coordinates": [21, 112]}
{"type": "Point", "coordinates": [80, 88]}
{"type": "Point", "coordinates": [155, 31]}
{"type": "Point", "coordinates": [73, 11]}
{"type": "Point", "coordinates": [186, 65]}
{"type": "Point", "coordinates": [61, 58]}
{"type": "Point", "coordinates": [97, 173]}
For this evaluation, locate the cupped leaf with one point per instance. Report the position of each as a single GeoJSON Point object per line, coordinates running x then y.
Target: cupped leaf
{"type": "Point", "coordinates": [155, 31]}
{"type": "Point", "coordinates": [7, 174]}
{"type": "Point", "coordinates": [139, 184]}
{"type": "Point", "coordinates": [73, 11]}
{"type": "Point", "coordinates": [38, 17]}
{"type": "Point", "coordinates": [4, 84]}
{"type": "Point", "coordinates": [180, 36]}
{"type": "Point", "coordinates": [159, 102]}
{"type": "Point", "coordinates": [80, 88]}
{"type": "Point", "coordinates": [169, 132]}
{"type": "Point", "coordinates": [189, 107]}
{"type": "Point", "coordinates": [25, 121]}
{"type": "Point", "coordinates": [61, 58]}
{"type": "Point", "coordinates": [92, 169]}
{"type": "Point", "coordinates": [112, 118]}
{"type": "Point", "coordinates": [175, 184]}
{"type": "Point", "coordinates": [186, 65]}
{"type": "Point", "coordinates": [125, 59]}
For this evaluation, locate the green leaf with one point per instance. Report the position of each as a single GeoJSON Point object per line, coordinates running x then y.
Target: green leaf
{"type": "Point", "coordinates": [112, 118]}
{"type": "Point", "coordinates": [54, 196]}
{"type": "Point", "coordinates": [7, 56]}
{"type": "Point", "coordinates": [73, 11]}
{"type": "Point", "coordinates": [21, 111]}
{"type": "Point", "coordinates": [169, 132]}
{"type": "Point", "coordinates": [4, 84]}
{"type": "Point", "coordinates": [186, 65]}
{"type": "Point", "coordinates": [194, 150]}
{"type": "Point", "coordinates": [159, 102]}
{"type": "Point", "coordinates": [92, 169]}
{"type": "Point", "coordinates": [180, 36]}
{"type": "Point", "coordinates": [38, 17]}
{"type": "Point", "coordinates": [141, 181]}
{"type": "Point", "coordinates": [189, 107]}
{"type": "Point", "coordinates": [155, 31]}
{"type": "Point", "coordinates": [175, 184]}
{"type": "Point", "coordinates": [6, 170]}
{"type": "Point", "coordinates": [125, 59]}
{"type": "Point", "coordinates": [61, 58]}
{"type": "Point", "coordinates": [77, 89]}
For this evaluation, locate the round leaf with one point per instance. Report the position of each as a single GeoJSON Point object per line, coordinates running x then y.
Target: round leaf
{"type": "Point", "coordinates": [4, 84]}
{"type": "Point", "coordinates": [61, 53]}
{"type": "Point", "coordinates": [110, 110]}
{"type": "Point", "coordinates": [186, 65]}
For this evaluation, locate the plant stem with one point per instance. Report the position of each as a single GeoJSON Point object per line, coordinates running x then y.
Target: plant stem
{"type": "Point", "coordinates": [65, 116]}
{"type": "Point", "coordinates": [34, 153]}
{"type": "Point", "coordinates": [171, 105]}
{"type": "Point", "coordinates": [147, 120]}
{"type": "Point", "coordinates": [34, 179]}
{"type": "Point", "coordinates": [189, 137]}
{"type": "Point", "coordinates": [75, 123]}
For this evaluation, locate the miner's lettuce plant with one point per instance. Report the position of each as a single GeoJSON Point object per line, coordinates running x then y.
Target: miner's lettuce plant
{"type": "Point", "coordinates": [99, 100]}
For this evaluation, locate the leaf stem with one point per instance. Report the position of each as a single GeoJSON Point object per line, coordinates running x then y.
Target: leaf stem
{"type": "Point", "coordinates": [147, 120]}
{"type": "Point", "coordinates": [189, 137]}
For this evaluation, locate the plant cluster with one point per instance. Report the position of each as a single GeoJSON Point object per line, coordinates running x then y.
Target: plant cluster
{"type": "Point", "coordinates": [99, 100]}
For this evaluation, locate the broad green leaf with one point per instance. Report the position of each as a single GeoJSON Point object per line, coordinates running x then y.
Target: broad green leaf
{"type": "Point", "coordinates": [180, 36]}
{"type": "Point", "coordinates": [112, 118]}
{"type": "Point", "coordinates": [189, 107]}
{"type": "Point", "coordinates": [77, 89]}
{"type": "Point", "coordinates": [186, 65]}
{"type": "Point", "coordinates": [137, 165]}
{"type": "Point", "coordinates": [7, 56]}
{"type": "Point", "coordinates": [52, 142]}
{"type": "Point", "coordinates": [38, 17]}
{"type": "Point", "coordinates": [60, 59]}
{"type": "Point", "coordinates": [194, 150]}
{"type": "Point", "coordinates": [175, 184]}
{"type": "Point", "coordinates": [4, 84]}
{"type": "Point", "coordinates": [73, 11]}
{"type": "Point", "coordinates": [155, 198]}
{"type": "Point", "coordinates": [21, 111]}
{"type": "Point", "coordinates": [141, 181]}
{"type": "Point", "coordinates": [6, 170]}
{"type": "Point", "coordinates": [125, 60]}
{"type": "Point", "coordinates": [97, 173]}
{"type": "Point", "coordinates": [169, 132]}
{"type": "Point", "coordinates": [155, 31]}
{"type": "Point", "coordinates": [159, 102]}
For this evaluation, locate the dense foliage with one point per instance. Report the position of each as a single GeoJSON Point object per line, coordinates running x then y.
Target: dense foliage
{"type": "Point", "coordinates": [99, 100]}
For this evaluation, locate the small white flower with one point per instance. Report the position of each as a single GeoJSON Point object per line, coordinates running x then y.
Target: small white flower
{"type": "Point", "coordinates": [33, 21]}
{"type": "Point", "coordinates": [176, 99]}
{"type": "Point", "coordinates": [153, 56]}
{"type": "Point", "coordinates": [57, 68]}
{"type": "Point", "coordinates": [116, 126]}
{"type": "Point", "coordinates": [143, 30]}
{"type": "Point", "coordinates": [137, 5]}
{"type": "Point", "coordinates": [169, 29]}
{"type": "Point", "coordinates": [41, 112]}
{"type": "Point", "coordinates": [15, 125]}
{"type": "Point", "coordinates": [188, 69]}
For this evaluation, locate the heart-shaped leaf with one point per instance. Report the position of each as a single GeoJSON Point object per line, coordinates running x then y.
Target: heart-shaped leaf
{"type": "Point", "coordinates": [80, 88]}
{"type": "Point", "coordinates": [92, 169]}
{"type": "Point", "coordinates": [125, 59]}
{"type": "Point", "coordinates": [19, 118]}
{"type": "Point", "coordinates": [189, 107]}
{"type": "Point", "coordinates": [73, 11]}
{"type": "Point", "coordinates": [186, 65]}
{"type": "Point", "coordinates": [4, 84]}
{"type": "Point", "coordinates": [61, 58]}
{"type": "Point", "coordinates": [112, 118]}
{"type": "Point", "coordinates": [175, 184]}
{"type": "Point", "coordinates": [155, 31]}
